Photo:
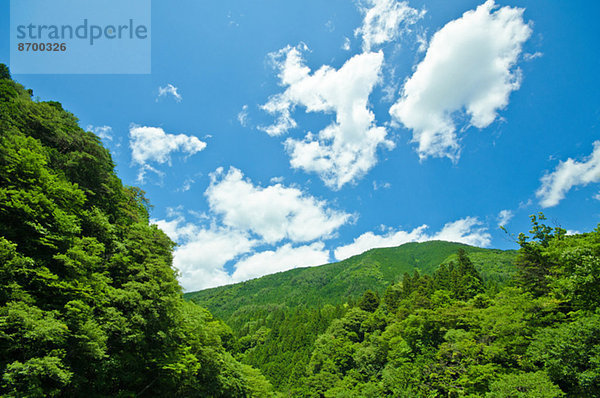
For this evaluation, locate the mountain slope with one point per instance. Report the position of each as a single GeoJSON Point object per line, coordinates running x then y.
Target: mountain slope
{"type": "Point", "coordinates": [337, 282]}
{"type": "Point", "coordinates": [89, 302]}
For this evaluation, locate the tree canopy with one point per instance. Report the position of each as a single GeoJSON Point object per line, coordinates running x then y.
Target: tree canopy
{"type": "Point", "coordinates": [89, 301]}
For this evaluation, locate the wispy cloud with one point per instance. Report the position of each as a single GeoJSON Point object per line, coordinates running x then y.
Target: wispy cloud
{"type": "Point", "coordinates": [567, 175]}
{"type": "Point", "coordinates": [103, 132]}
{"type": "Point", "coordinates": [243, 116]}
{"type": "Point", "coordinates": [171, 90]}
{"type": "Point", "coordinates": [346, 45]}
{"type": "Point", "coordinates": [504, 217]}
{"type": "Point", "coordinates": [381, 185]}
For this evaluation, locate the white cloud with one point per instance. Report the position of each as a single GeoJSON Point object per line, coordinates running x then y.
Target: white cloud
{"type": "Point", "coordinates": [504, 217]}
{"type": "Point", "coordinates": [242, 217]}
{"type": "Point", "coordinates": [381, 185]}
{"type": "Point", "coordinates": [103, 132]}
{"type": "Point", "coordinates": [346, 44]}
{"type": "Point", "coordinates": [385, 20]}
{"type": "Point", "coordinates": [346, 149]}
{"type": "Point", "coordinates": [467, 230]}
{"type": "Point", "coordinates": [568, 174]}
{"type": "Point", "coordinates": [283, 258]}
{"type": "Point", "coordinates": [274, 213]}
{"type": "Point", "coordinates": [470, 65]}
{"type": "Point", "coordinates": [370, 240]}
{"type": "Point", "coordinates": [187, 185]}
{"type": "Point", "coordinates": [330, 25]}
{"type": "Point", "coordinates": [525, 204]}
{"type": "Point", "coordinates": [422, 42]}
{"type": "Point", "coordinates": [169, 89]}
{"type": "Point", "coordinates": [530, 56]}
{"type": "Point", "coordinates": [152, 144]}
{"type": "Point", "coordinates": [243, 116]}
{"type": "Point", "coordinates": [203, 252]}
{"type": "Point", "coordinates": [200, 259]}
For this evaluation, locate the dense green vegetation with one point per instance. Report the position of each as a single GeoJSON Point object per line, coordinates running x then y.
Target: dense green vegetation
{"type": "Point", "coordinates": [446, 334]}
{"type": "Point", "coordinates": [89, 303]}
{"type": "Point", "coordinates": [276, 319]}
{"type": "Point", "coordinates": [347, 280]}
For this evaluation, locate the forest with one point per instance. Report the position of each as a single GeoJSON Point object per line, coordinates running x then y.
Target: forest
{"type": "Point", "coordinates": [90, 304]}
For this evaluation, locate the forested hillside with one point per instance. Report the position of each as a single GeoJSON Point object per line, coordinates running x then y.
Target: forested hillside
{"type": "Point", "coordinates": [447, 335]}
{"type": "Point", "coordinates": [445, 332]}
{"type": "Point", "coordinates": [346, 280]}
{"type": "Point", "coordinates": [89, 303]}
{"type": "Point", "coordinates": [277, 318]}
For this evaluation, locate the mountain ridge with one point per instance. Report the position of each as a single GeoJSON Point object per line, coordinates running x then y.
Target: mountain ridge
{"type": "Point", "coordinates": [334, 283]}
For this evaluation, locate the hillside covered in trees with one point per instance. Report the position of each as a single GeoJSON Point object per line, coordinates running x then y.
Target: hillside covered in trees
{"type": "Point", "coordinates": [346, 280]}
{"type": "Point", "coordinates": [90, 304]}
{"type": "Point", "coordinates": [446, 331]}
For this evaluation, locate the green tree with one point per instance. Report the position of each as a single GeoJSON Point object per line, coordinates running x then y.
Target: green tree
{"type": "Point", "coordinates": [524, 385]}
{"type": "Point", "coordinates": [369, 301]}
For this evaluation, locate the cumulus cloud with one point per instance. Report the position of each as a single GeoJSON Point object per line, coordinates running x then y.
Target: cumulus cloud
{"type": "Point", "coordinates": [244, 217]}
{"type": "Point", "coordinates": [203, 251]}
{"type": "Point", "coordinates": [346, 149]}
{"type": "Point", "coordinates": [385, 20]}
{"type": "Point", "coordinates": [468, 230]}
{"type": "Point", "coordinates": [469, 66]}
{"type": "Point", "coordinates": [201, 259]}
{"type": "Point", "coordinates": [504, 217]}
{"type": "Point", "coordinates": [169, 89]}
{"type": "Point", "coordinates": [153, 145]}
{"type": "Point", "coordinates": [103, 132]}
{"type": "Point", "coordinates": [283, 258]}
{"type": "Point", "coordinates": [567, 175]}
{"type": "Point", "coordinates": [274, 212]}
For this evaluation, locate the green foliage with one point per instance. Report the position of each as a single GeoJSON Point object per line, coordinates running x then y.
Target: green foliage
{"type": "Point", "coordinates": [451, 333]}
{"type": "Point", "coordinates": [524, 385]}
{"type": "Point", "coordinates": [570, 355]}
{"type": "Point", "coordinates": [37, 377]}
{"type": "Point", "coordinates": [369, 301]}
{"type": "Point", "coordinates": [347, 280]}
{"type": "Point", "coordinates": [4, 72]}
{"type": "Point", "coordinates": [276, 319]}
{"type": "Point", "coordinates": [89, 303]}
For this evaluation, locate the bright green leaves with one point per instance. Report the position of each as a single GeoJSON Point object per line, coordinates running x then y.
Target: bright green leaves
{"type": "Point", "coordinates": [89, 302]}
{"type": "Point", "coordinates": [570, 355]}
{"type": "Point", "coordinates": [37, 377]}
{"type": "Point", "coordinates": [524, 385]}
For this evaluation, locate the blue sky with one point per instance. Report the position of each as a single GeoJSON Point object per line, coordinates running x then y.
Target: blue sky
{"type": "Point", "coordinates": [272, 134]}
